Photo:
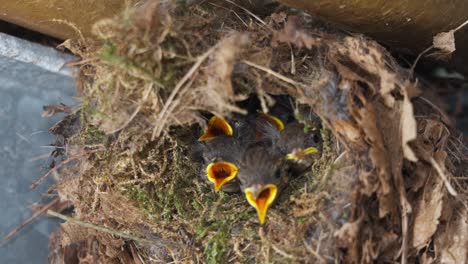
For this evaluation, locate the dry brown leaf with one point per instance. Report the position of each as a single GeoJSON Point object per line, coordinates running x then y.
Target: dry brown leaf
{"type": "Point", "coordinates": [50, 110]}
{"type": "Point", "coordinates": [453, 244]}
{"type": "Point", "coordinates": [348, 232]}
{"type": "Point", "coordinates": [348, 235]}
{"type": "Point", "coordinates": [217, 74]}
{"type": "Point", "coordinates": [427, 211]}
{"type": "Point", "coordinates": [441, 171]}
{"type": "Point", "coordinates": [445, 41]}
{"type": "Point", "coordinates": [408, 127]}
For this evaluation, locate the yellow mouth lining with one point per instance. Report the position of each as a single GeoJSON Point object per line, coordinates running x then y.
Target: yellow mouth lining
{"type": "Point", "coordinates": [298, 155]}
{"type": "Point", "coordinates": [217, 126]}
{"type": "Point", "coordinates": [276, 122]}
{"type": "Point", "coordinates": [220, 173]}
{"type": "Point", "coordinates": [263, 201]}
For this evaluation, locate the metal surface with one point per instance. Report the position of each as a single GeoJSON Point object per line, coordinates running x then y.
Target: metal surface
{"type": "Point", "coordinates": [30, 76]}
{"type": "Point", "coordinates": [33, 54]}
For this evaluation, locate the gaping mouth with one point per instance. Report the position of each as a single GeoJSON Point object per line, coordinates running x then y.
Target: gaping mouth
{"type": "Point", "coordinates": [299, 154]}
{"type": "Point", "coordinates": [217, 126]}
{"type": "Point", "coordinates": [261, 199]}
{"type": "Point", "coordinates": [220, 173]}
{"type": "Point", "coordinates": [276, 122]}
{"type": "Point", "coordinates": [263, 119]}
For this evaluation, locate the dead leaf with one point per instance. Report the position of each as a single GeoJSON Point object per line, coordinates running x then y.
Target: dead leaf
{"type": "Point", "coordinates": [452, 246]}
{"type": "Point", "coordinates": [408, 127]}
{"type": "Point", "coordinates": [445, 41]}
{"type": "Point", "coordinates": [348, 235]}
{"type": "Point", "coordinates": [427, 212]}
{"type": "Point", "coordinates": [50, 110]}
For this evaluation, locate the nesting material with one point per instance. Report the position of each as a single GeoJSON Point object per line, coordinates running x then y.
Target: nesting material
{"type": "Point", "coordinates": [390, 183]}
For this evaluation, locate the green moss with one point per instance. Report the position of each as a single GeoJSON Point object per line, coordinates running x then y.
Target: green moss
{"type": "Point", "coordinates": [215, 248]}
{"type": "Point", "coordinates": [146, 203]}
{"type": "Point", "coordinates": [94, 135]}
{"type": "Point", "coordinates": [110, 56]}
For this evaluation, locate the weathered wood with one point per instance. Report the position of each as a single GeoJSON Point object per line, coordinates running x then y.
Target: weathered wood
{"type": "Point", "coordinates": [56, 18]}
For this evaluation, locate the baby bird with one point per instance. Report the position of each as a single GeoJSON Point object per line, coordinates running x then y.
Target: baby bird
{"type": "Point", "coordinates": [262, 175]}
{"type": "Point", "coordinates": [222, 146]}
{"type": "Point", "coordinates": [296, 142]}
{"type": "Point", "coordinates": [221, 151]}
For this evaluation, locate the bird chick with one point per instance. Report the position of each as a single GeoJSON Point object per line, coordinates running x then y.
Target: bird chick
{"type": "Point", "coordinates": [221, 158]}
{"type": "Point", "coordinates": [261, 175]}
{"type": "Point", "coordinates": [298, 144]}
{"type": "Point", "coordinates": [217, 126]}
{"type": "Point", "coordinates": [223, 144]}
{"type": "Point", "coordinates": [221, 147]}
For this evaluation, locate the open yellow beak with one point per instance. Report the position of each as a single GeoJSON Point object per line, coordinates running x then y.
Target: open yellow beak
{"type": "Point", "coordinates": [300, 154]}
{"type": "Point", "coordinates": [220, 173]}
{"type": "Point", "coordinates": [217, 126]}
{"type": "Point", "coordinates": [276, 122]}
{"type": "Point", "coordinates": [261, 198]}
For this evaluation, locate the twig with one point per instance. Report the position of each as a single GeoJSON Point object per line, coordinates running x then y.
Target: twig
{"type": "Point", "coordinates": [134, 114]}
{"type": "Point", "coordinates": [419, 57]}
{"type": "Point", "coordinates": [136, 181]}
{"type": "Point", "coordinates": [248, 12]}
{"type": "Point", "coordinates": [73, 157]}
{"type": "Point", "coordinates": [108, 230]}
{"type": "Point", "coordinates": [460, 26]}
{"type": "Point", "coordinates": [31, 219]}
{"type": "Point", "coordinates": [339, 158]}
{"type": "Point", "coordinates": [275, 74]}
{"type": "Point", "coordinates": [282, 253]}
{"type": "Point", "coordinates": [444, 117]}
{"type": "Point", "coordinates": [162, 115]}
{"type": "Point", "coordinates": [404, 231]}
{"type": "Point", "coordinates": [432, 46]}
{"type": "Point", "coordinates": [293, 61]}
{"type": "Point", "coordinates": [313, 252]}
{"type": "Point", "coordinates": [442, 175]}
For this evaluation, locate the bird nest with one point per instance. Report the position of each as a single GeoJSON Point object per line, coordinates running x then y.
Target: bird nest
{"type": "Point", "coordinates": [390, 183]}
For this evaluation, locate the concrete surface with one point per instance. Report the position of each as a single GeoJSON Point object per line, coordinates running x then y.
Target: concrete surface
{"type": "Point", "coordinates": [30, 76]}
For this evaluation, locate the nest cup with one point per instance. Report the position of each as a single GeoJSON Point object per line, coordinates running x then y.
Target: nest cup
{"type": "Point", "coordinates": [385, 171]}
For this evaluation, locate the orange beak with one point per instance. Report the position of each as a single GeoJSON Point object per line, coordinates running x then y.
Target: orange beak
{"type": "Point", "coordinates": [261, 197]}
{"type": "Point", "coordinates": [220, 173]}
{"type": "Point", "coordinates": [217, 126]}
